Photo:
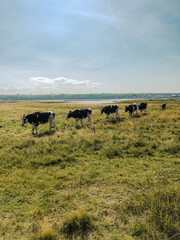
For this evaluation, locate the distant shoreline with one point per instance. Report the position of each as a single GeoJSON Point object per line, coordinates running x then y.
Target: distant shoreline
{"type": "Point", "coordinates": [108, 97]}
{"type": "Point", "coordinates": [77, 101]}
{"type": "Point", "coordinates": [86, 101]}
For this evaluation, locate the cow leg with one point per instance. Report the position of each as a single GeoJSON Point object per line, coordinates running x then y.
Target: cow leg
{"type": "Point", "coordinates": [81, 122]}
{"type": "Point", "coordinates": [107, 117]}
{"type": "Point", "coordinates": [50, 126]}
{"type": "Point", "coordinates": [117, 114]}
{"type": "Point", "coordinates": [33, 129]}
{"type": "Point", "coordinates": [89, 118]}
{"type": "Point", "coordinates": [76, 122]}
{"type": "Point", "coordinates": [54, 124]}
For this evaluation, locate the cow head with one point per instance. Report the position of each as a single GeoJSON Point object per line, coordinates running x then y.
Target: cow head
{"type": "Point", "coordinates": [68, 115]}
{"type": "Point", "coordinates": [126, 109]}
{"type": "Point", "coordinates": [101, 111]}
{"type": "Point", "coordinates": [24, 120]}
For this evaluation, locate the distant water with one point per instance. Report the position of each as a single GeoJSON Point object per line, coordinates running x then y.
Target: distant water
{"type": "Point", "coordinates": [105, 101]}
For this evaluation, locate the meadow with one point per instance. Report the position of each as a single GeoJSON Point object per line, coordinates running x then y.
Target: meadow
{"type": "Point", "coordinates": [115, 179]}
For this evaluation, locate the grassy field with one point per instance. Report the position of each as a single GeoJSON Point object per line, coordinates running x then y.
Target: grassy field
{"type": "Point", "coordinates": [118, 179]}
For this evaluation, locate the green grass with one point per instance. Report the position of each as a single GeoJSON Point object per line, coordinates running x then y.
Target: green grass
{"type": "Point", "coordinates": [115, 179]}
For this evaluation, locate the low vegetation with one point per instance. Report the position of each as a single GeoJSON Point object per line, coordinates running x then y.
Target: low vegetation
{"type": "Point", "coordinates": [92, 96]}
{"type": "Point", "coordinates": [115, 179]}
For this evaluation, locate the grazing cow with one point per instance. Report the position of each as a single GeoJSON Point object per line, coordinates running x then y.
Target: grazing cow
{"type": "Point", "coordinates": [131, 108]}
{"type": "Point", "coordinates": [135, 106]}
{"type": "Point", "coordinates": [142, 106]}
{"type": "Point", "coordinates": [37, 118]}
{"type": "Point", "coordinates": [163, 106]}
{"type": "Point", "coordinates": [79, 114]}
{"type": "Point", "coordinates": [110, 109]}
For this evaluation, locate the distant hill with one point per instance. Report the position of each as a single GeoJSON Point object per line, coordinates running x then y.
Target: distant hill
{"type": "Point", "coordinates": [19, 97]}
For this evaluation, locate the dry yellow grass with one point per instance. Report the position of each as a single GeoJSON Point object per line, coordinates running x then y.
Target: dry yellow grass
{"type": "Point", "coordinates": [124, 174]}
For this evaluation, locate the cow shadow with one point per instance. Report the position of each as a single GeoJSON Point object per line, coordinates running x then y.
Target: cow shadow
{"type": "Point", "coordinates": [46, 133]}
{"type": "Point", "coordinates": [136, 116]}
{"type": "Point", "coordinates": [114, 121]}
{"type": "Point", "coordinates": [122, 119]}
{"type": "Point", "coordinates": [83, 126]}
{"type": "Point", "coordinates": [144, 114]}
{"type": "Point", "coordinates": [79, 126]}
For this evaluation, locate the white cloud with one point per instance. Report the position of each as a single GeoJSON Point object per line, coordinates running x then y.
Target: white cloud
{"type": "Point", "coordinates": [63, 81]}
{"type": "Point", "coordinates": [44, 85]}
{"type": "Point", "coordinates": [40, 80]}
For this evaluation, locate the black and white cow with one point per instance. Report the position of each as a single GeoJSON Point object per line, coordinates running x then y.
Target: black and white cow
{"type": "Point", "coordinates": [131, 109]}
{"type": "Point", "coordinates": [79, 114]}
{"type": "Point", "coordinates": [163, 106]}
{"type": "Point", "coordinates": [142, 106]}
{"type": "Point", "coordinates": [109, 109]}
{"type": "Point", "coordinates": [37, 118]}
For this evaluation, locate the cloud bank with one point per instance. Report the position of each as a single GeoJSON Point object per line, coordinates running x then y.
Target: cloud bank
{"type": "Point", "coordinates": [64, 81]}
{"type": "Point", "coordinates": [44, 85]}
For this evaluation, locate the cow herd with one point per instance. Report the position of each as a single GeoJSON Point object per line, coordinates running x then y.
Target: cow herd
{"type": "Point", "coordinates": [37, 118]}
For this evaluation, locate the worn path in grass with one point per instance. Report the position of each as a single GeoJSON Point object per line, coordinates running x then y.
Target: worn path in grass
{"type": "Point", "coordinates": [115, 179]}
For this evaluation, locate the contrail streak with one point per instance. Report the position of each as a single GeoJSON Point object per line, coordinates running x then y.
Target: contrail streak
{"type": "Point", "coordinates": [117, 25]}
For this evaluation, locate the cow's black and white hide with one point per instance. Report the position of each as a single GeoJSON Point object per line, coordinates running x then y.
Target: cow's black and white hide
{"type": "Point", "coordinates": [109, 109]}
{"type": "Point", "coordinates": [163, 106]}
{"type": "Point", "coordinates": [131, 108]}
{"type": "Point", "coordinates": [79, 114]}
{"type": "Point", "coordinates": [142, 106]}
{"type": "Point", "coordinates": [135, 107]}
{"type": "Point", "coordinates": [37, 118]}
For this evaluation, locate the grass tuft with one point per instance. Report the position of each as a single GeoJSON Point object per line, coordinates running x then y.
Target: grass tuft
{"type": "Point", "coordinates": [78, 222]}
{"type": "Point", "coordinates": [47, 234]}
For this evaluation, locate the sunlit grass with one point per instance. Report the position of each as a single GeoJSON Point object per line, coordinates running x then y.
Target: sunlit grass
{"type": "Point", "coordinates": [115, 179]}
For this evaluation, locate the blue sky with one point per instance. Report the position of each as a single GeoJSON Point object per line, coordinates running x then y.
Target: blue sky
{"type": "Point", "coordinates": [89, 46]}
